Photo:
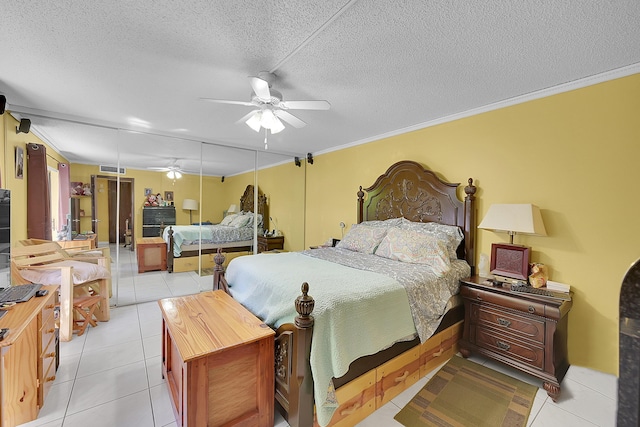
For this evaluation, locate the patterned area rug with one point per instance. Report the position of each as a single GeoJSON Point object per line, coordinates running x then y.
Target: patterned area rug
{"type": "Point", "coordinates": [463, 393]}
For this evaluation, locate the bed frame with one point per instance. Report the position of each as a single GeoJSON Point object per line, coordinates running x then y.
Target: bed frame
{"type": "Point", "coordinates": [407, 190]}
{"type": "Point", "coordinates": [246, 205]}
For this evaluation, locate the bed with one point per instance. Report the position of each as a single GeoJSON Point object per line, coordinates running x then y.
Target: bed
{"type": "Point", "coordinates": [186, 243]}
{"type": "Point", "coordinates": [331, 346]}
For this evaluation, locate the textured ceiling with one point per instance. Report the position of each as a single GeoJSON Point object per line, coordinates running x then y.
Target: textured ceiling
{"type": "Point", "coordinates": [89, 73]}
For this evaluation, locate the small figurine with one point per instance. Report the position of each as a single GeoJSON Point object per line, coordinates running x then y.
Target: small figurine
{"type": "Point", "coordinates": [539, 275]}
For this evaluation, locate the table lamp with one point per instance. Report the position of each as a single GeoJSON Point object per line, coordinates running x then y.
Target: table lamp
{"type": "Point", "coordinates": [190, 205]}
{"type": "Point", "coordinates": [511, 260]}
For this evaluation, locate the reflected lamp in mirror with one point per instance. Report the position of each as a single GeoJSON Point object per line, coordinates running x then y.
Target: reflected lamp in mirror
{"type": "Point", "coordinates": [190, 205]}
{"type": "Point", "coordinates": [232, 210]}
{"type": "Point", "coordinates": [509, 260]}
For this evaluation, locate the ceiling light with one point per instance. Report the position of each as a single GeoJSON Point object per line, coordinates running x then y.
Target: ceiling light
{"type": "Point", "coordinates": [174, 175]}
{"type": "Point", "coordinates": [277, 126]}
{"type": "Point", "coordinates": [254, 121]}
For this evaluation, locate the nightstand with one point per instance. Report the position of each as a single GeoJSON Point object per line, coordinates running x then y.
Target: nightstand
{"type": "Point", "coordinates": [270, 243]}
{"type": "Point", "coordinates": [525, 331]}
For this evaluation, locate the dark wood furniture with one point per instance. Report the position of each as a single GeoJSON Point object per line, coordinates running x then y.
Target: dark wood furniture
{"type": "Point", "coordinates": [151, 253]}
{"type": "Point", "coordinates": [217, 359]}
{"type": "Point", "coordinates": [407, 190]}
{"type": "Point", "coordinates": [270, 243]}
{"type": "Point", "coordinates": [525, 331]}
{"type": "Point", "coordinates": [28, 356]}
{"type": "Point", "coordinates": [156, 218]}
{"type": "Point", "coordinates": [246, 205]}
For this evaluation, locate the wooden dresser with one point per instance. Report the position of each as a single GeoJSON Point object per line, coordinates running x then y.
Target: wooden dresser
{"type": "Point", "coordinates": [525, 331]}
{"type": "Point", "coordinates": [217, 359]}
{"type": "Point", "coordinates": [28, 356]}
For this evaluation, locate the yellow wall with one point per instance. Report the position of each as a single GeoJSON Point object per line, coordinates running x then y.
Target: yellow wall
{"type": "Point", "coordinates": [574, 154]}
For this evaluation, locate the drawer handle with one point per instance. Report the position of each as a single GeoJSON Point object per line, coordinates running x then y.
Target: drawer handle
{"type": "Point", "coordinates": [51, 378]}
{"type": "Point", "coordinates": [438, 353]}
{"type": "Point", "coordinates": [532, 309]}
{"type": "Point", "coordinates": [402, 377]}
{"type": "Point", "coordinates": [503, 345]}
{"type": "Point", "coordinates": [52, 354]}
{"type": "Point", "coordinates": [50, 331]}
{"type": "Point", "coordinates": [49, 307]}
{"type": "Point", "coordinates": [351, 410]}
{"type": "Point", "coordinates": [478, 297]}
{"type": "Point", "coordinates": [504, 322]}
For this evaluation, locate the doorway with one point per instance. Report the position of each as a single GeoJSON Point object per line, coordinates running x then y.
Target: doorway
{"type": "Point", "coordinates": [105, 204]}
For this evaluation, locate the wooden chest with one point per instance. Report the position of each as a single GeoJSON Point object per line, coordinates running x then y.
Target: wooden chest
{"type": "Point", "coordinates": [152, 254]}
{"type": "Point", "coordinates": [217, 359]}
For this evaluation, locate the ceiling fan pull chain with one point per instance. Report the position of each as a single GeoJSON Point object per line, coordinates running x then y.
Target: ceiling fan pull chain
{"type": "Point", "coordinates": [266, 145]}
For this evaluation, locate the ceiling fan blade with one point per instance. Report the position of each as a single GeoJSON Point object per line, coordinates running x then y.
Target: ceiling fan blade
{"type": "Point", "coordinates": [225, 101]}
{"type": "Point", "coordinates": [158, 169]}
{"type": "Point", "coordinates": [305, 105]}
{"type": "Point", "coordinates": [261, 88]}
{"type": "Point", "coordinates": [246, 116]}
{"type": "Point", "coordinates": [289, 118]}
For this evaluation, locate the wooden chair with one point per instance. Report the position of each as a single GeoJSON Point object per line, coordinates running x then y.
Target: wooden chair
{"type": "Point", "coordinates": [85, 307]}
{"type": "Point", "coordinates": [49, 264]}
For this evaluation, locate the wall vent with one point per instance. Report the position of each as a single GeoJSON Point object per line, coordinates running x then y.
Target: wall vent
{"type": "Point", "coordinates": [112, 169]}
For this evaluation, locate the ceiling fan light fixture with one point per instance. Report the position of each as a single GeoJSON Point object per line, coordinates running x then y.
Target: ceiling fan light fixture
{"type": "Point", "coordinates": [174, 175]}
{"type": "Point", "coordinates": [277, 126]}
{"type": "Point", "coordinates": [268, 118]}
{"type": "Point", "coordinates": [254, 122]}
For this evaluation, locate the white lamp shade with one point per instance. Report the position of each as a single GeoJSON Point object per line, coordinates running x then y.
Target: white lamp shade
{"type": "Point", "coordinates": [254, 121]}
{"type": "Point", "coordinates": [514, 218]}
{"type": "Point", "coordinates": [190, 205]}
{"type": "Point", "coordinates": [232, 209]}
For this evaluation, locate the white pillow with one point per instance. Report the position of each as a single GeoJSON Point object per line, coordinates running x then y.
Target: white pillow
{"type": "Point", "coordinates": [240, 221]}
{"type": "Point", "coordinates": [415, 247]}
{"type": "Point", "coordinates": [228, 219]}
{"type": "Point", "coordinates": [361, 238]}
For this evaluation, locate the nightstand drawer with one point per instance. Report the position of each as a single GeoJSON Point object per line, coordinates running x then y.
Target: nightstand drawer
{"type": "Point", "coordinates": [523, 305]}
{"type": "Point", "coordinates": [502, 344]}
{"type": "Point", "coordinates": [511, 323]}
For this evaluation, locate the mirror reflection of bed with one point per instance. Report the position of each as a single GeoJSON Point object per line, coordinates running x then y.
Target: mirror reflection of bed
{"type": "Point", "coordinates": [191, 246]}
{"type": "Point", "coordinates": [385, 304]}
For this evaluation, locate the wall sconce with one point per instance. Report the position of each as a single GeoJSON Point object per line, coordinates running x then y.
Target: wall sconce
{"type": "Point", "coordinates": [190, 205]}
{"type": "Point", "coordinates": [24, 126]}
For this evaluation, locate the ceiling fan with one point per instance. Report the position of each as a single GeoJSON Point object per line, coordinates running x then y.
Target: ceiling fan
{"type": "Point", "coordinates": [269, 106]}
{"type": "Point", "coordinates": [173, 171]}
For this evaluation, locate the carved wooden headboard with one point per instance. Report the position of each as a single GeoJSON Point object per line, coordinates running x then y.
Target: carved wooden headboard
{"type": "Point", "coordinates": [409, 190]}
{"type": "Point", "coordinates": [246, 204]}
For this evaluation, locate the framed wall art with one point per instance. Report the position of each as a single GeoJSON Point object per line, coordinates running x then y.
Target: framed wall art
{"type": "Point", "coordinates": [19, 162]}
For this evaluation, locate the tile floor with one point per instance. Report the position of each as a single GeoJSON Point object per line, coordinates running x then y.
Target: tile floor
{"type": "Point", "coordinates": [111, 375]}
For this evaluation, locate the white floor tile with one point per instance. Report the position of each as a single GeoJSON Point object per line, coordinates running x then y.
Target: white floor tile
{"type": "Point", "coordinates": [68, 368]}
{"type": "Point", "coordinates": [152, 346]}
{"type": "Point", "coordinates": [553, 416]}
{"type": "Point", "coordinates": [585, 402]}
{"type": "Point", "coordinates": [154, 371]}
{"type": "Point", "coordinates": [106, 386]}
{"type": "Point", "coordinates": [606, 384]}
{"type": "Point", "coordinates": [383, 417]}
{"type": "Point", "coordinates": [110, 357]}
{"type": "Point", "coordinates": [161, 405]}
{"type": "Point", "coordinates": [133, 410]}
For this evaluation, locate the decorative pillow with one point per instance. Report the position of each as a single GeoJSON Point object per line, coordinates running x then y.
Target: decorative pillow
{"type": "Point", "coordinates": [392, 222]}
{"type": "Point", "coordinates": [251, 218]}
{"type": "Point", "coordinates": [451, 235]}
{"type": "Point", "coordinates": [415, 247]}
{"type": "Point", "coordinates": [241, 221]}
{"type": "Point", "coordinates": [362, 239]}
{"type": "Point", "coordinates": [228, 219]}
